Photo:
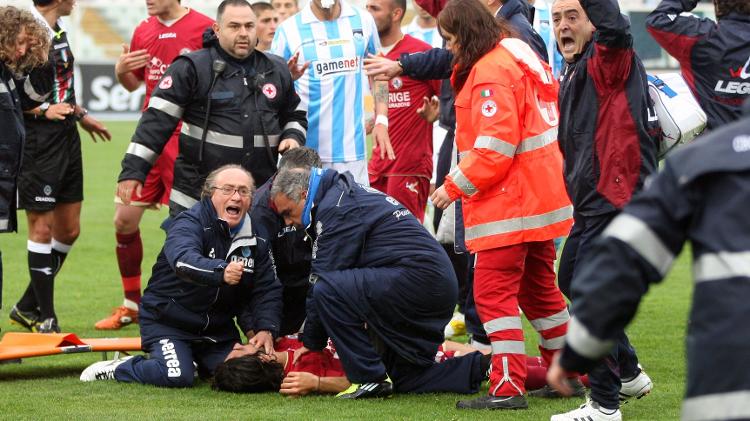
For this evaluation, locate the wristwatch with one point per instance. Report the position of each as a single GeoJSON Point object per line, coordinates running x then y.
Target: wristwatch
{"type": "Point", "coordinates": [43, 108]}
{"type": "Point", "coordinates": [84, 112]}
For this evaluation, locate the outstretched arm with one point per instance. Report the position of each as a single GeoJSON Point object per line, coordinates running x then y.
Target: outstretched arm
{"type": "Point", "coordinates": [299, 383]}
{"type": "Point", "coordinates": [677, 31]}
{"type": "Point", "coordinates": [611, 64]}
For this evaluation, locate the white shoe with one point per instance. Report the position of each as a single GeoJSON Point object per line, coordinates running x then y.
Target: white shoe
{"type": "Point", "coordinates": [637, 387]}
{"type": "Point", "coordinates": [456, 327]}
{"type": "Point", "coordinates": [102, 370]}
{"type": "Point", "coordinates": [590, 411]}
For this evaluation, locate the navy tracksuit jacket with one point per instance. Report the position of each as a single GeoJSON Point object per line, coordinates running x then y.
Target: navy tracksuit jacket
{"type": "Point", "coordinates": [380, 277]}
{"type": "Point", "coordinates": [188, 312]}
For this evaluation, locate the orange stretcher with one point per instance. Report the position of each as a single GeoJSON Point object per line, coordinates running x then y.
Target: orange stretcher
{"type": "Point", "coordinates": [15, 345]}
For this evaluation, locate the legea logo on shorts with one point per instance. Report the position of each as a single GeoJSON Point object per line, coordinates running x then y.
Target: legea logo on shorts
{"type": "Point", "coordinates": [336, 66]}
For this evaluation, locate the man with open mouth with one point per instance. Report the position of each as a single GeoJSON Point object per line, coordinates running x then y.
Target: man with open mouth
{"type": "Point", "coordinates": [211, 271]}
{"type": "Point", "coordinates": [608, 135]}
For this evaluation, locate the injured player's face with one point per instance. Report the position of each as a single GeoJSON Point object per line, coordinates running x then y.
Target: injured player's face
{"type": "Point", "coordinates": [249, 373]}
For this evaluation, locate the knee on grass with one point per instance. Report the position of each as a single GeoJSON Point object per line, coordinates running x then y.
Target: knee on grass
{"type": "Point", "coordinates": [176, 377]}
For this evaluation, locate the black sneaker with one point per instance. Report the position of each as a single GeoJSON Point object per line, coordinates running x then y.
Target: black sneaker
{"type": "Point", "coordinates": [494, 402]}
{"type": "Point", "coordinates": [49, 325]}
{"type": "Point", "coordinates": [547, 392]}
{"type": "Point", "coordinates": [26, 319]}
{"type": "Point", "coordinates": [382, 389]}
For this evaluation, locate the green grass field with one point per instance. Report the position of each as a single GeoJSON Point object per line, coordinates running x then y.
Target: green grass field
{"type": "Point", "coordinates": [89, 286]}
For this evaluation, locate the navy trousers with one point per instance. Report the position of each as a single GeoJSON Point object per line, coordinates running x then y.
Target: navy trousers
{"type": "Point", "coordinates": [389, 322]}
{"type": "Point", "coordinates": [622, 362]}
{"type": "Point", "coordinates": [455, 375]}
{"type": "Point", "coordinates": [170, 362]}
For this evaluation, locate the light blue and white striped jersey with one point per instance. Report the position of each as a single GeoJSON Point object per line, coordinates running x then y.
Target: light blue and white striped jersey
{"type": "Point", "coordinates": [332, 90]}
{"type": "Point", "coordinates": [429, 35]}
{"type": "Point", "coordinates": [543, 26]}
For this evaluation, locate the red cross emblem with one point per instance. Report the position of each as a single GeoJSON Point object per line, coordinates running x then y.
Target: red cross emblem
{"type": "Point", "coordinates": [166, 83]}
{"type": "Point", "coordinates": [269, 91]}
{"type": "Point", "coordinates": [489, 108]}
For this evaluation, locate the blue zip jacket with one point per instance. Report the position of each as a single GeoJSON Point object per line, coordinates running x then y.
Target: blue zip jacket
{"type": "Point", "coordinates": [186, 296]}
{"type": "Point", "coordinates": [359, 227]}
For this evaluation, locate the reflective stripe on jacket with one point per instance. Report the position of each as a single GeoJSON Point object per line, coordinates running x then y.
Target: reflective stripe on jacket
{"type": "Point", "coordinates": [510, 173]}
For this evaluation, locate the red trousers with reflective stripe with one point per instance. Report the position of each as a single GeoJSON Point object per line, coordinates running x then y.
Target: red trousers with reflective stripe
{"type": "Point", "coordinates": [505, 279]}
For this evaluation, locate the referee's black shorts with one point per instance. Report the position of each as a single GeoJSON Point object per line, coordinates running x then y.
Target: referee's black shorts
{"type": "Point", "coordinates": [51, 170]}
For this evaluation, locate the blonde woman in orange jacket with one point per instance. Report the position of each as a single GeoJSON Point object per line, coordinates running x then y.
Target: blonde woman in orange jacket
{"type": "Point", "coordinates": [509, 179]}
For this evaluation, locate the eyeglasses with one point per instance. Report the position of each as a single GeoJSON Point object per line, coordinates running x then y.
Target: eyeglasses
{"type": "Point", "coordinates": [228, 190]}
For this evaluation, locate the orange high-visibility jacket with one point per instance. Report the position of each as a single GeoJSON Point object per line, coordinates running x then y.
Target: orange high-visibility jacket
{"type": "Point", "coordinates": [510, 176]}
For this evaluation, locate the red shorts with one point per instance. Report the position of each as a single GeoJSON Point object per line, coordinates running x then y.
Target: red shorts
{"type": "Point", "coordinates": [159, 180]}
{"type": "Point", "coordinates": [410, 190]}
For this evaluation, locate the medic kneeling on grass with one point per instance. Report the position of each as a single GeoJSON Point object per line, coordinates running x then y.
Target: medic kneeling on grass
{"type": "Point", "coordinates": [379, 287]}
{"type": "Point", "coordinates": [212, 271]}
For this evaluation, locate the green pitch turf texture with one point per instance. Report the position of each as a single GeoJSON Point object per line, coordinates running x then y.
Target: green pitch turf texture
{"type": "Point", "coordinates": [88, 287]}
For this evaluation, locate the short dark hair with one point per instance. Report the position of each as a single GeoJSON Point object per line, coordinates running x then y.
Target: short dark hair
{"type": "Point", "coordinates": [725, 7]}
{"type": "Point", "coordinates": [400, 4]}
{"type": "Point", "coordinates": [302, 157]}
{"type": "Point", "coordinates": [261, 6]}
{"type": "Point", "coordinates": [248, 374]}
{"type": "Point", "coordinates": [223, 5]}
{"type": "Point", "coordinates": [43, 2]}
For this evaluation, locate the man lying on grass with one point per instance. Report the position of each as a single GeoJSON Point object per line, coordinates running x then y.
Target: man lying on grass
{"type": "Point", "coordinates": [250, 370]}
